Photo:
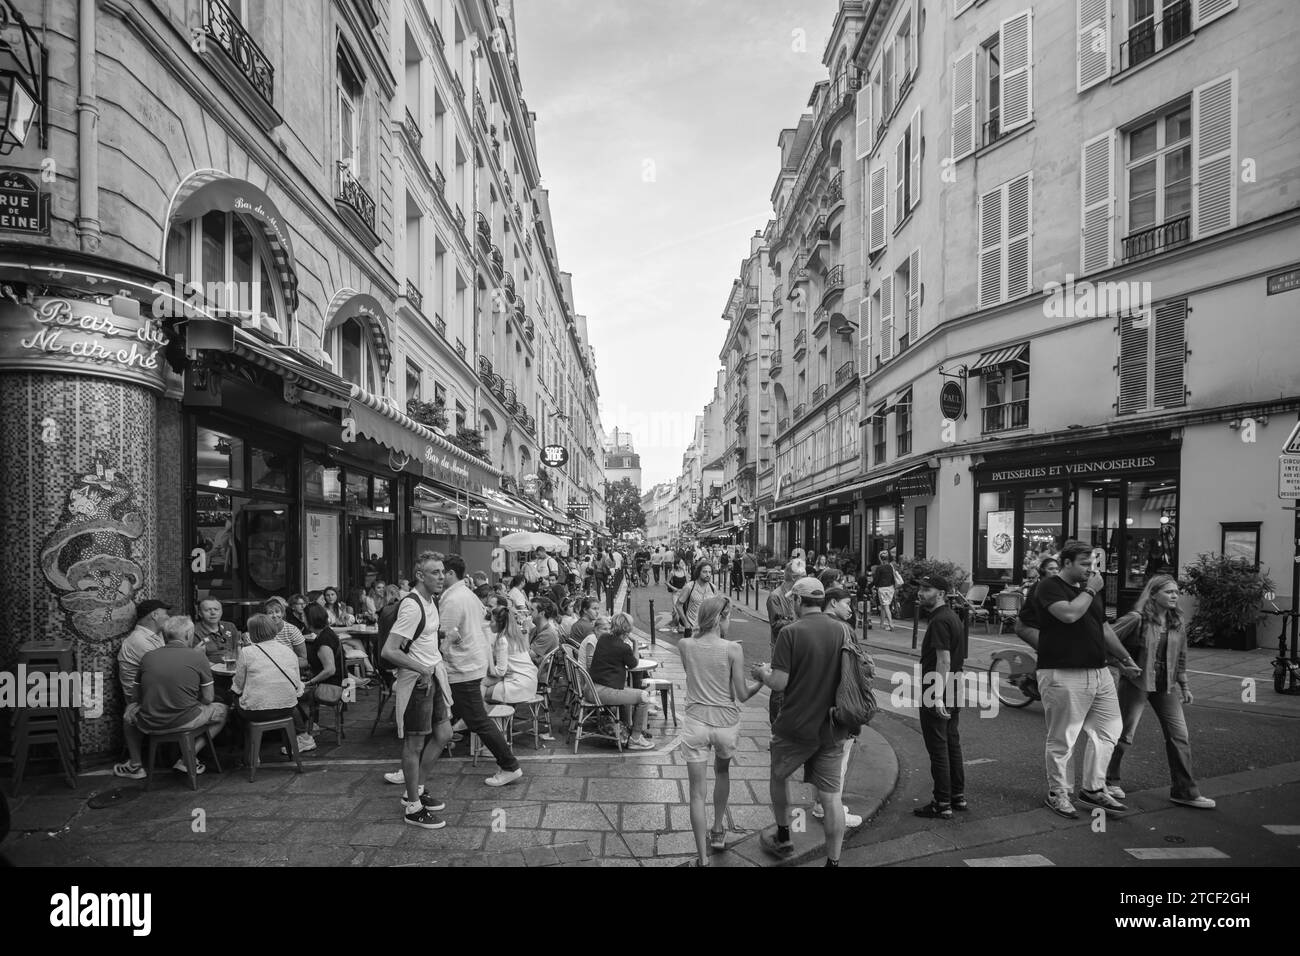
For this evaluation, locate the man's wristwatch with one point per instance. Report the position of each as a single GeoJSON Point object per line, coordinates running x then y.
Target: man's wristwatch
{"type": "Point", "coordinates": [1091, 591]}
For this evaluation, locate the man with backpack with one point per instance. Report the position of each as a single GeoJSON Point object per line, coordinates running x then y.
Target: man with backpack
{"type": "Point", "coordinates": [806, 668]}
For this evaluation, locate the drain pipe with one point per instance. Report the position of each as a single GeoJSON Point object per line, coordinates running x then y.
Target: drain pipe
{"type": "Point", "coordinates": [88, 228]}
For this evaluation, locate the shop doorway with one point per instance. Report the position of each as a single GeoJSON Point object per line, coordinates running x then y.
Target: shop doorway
{"type": "Point", "coordinates": [370, 557]}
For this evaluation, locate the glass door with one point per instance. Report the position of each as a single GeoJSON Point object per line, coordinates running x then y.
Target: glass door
{"type": "Point", "coordinates": [1099, 523]}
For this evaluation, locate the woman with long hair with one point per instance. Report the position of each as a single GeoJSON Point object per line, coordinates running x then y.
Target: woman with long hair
{"type": "Point", "coordinates": [1155, 634]}
{"type": "Point", "coordinates": [695, 594]}
{"type": "Point", "coordinates": [340, 615]}
{"type": "Point", "coordinates": [512, 675]}
{"type": "Point", "coordinates": [885, 578]}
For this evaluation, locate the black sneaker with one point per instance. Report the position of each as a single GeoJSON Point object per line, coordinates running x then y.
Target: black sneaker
{"type": "Point", "coordinates": [1102, 799]}
{"type": "Point", "coordinates": [959, 804]}
{"type": "Point", "coordinates": [427, 801]}
{"type": "Point", "coordinates": [424, 817]}
{"type": "Point", "coordinates": [934, 811]}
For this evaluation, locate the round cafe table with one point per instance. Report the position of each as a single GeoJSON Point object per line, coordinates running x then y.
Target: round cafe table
{"type": "Point", "coordinates": [367, 634]}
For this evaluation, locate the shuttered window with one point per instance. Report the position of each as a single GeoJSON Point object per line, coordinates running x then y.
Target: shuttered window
{"type": "Point", "coordinates": [877, 214]}
{"type": "Point", "coordinates": [1097, 217]}
{"type": "Point", "coordinates": [1093, 43]}
{"type": "Point", "coordinates": [1214, 156]}
{"type": "Point", "coordinates": [886, 318]}
{"type": "Point", "coordinates": [1005, 241]}
{"type": "Point", "coordinates": [913, 297]}
{"type": "Point", "coordinates": [914, 160]}
{"type": "Point", "coordinates": [865, 130]}
{"type": "Point", "coordinates": [1017, 48]}
{"type": "Point", "coordinates": [1153, 359]}
{"type": "Point", "coordinates": [963, 105]}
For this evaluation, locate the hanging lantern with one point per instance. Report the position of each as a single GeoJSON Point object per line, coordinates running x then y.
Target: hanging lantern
{"type": "Point", "coordinates": [22, 80]}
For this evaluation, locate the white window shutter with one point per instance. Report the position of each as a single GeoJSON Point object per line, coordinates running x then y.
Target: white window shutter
{"type": "Point", "coordinates": [887, 82]}
{"type": "Point", "coordinates": [1093, 51]}
{"type": "Point", "coordinates": [913, 296]}
{"type": "Point", "coordinates": [914, 171]}
{"type": "Point", "coordinates": [1214, 156]}
{"type": "Point", "coordinates": [1170, 334]}
{"type": "Point", "coordinates": [960, 5]}
{"type": "Point", "coordinates": [900, 181]}
{"type": "Point", "coordinates": [1132, 365]}
{"type": "Point", "coordinates": [1020, 231]}
{"type": "Point", "coordinates": [887, 318]}
{"type": "Point", "coordinates": [963, 106]}
{"type": "Point", "coordinates": [879, 191]}
{"type": "Point", "coordinates": [865, 131]}
{"type": "Point", "coordinates": [990, 247]}
{"type": "Point", "coordinates": [1203, 11]}
{"type": "Point", "coordinates": [1097, 187]}
{"type": "Point", "coordinates": [1017, 48]}
{"type": "Point", "coordinates": [914, 38]}
{"type": "Point", "coordinates": [864, 334]}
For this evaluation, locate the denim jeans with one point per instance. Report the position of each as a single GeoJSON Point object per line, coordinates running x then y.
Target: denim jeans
{"type": "Point", "coordinates": [1168, 709]}
{"type": "Point", "coordinates": [467, 705]}
{"type": "Point", "coordinates": [1079, 700]}
{"type": "Point", "coordinates": [943, 741]}
{"type": "Point", "coordinates": [634, 709]}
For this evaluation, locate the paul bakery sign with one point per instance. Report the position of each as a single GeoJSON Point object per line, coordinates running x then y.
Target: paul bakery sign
{"type": "Point", "coordinates": [107, 338]}
{"type": "Point", "coordinates": [1079, 468]}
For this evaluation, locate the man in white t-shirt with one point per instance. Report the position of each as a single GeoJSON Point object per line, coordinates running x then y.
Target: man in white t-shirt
{"type": "Point", "coordinates": [421, 691]}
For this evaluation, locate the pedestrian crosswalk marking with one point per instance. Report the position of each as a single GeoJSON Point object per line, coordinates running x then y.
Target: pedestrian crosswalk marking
{"type": "Point", "coordinates": [1028, 859]}
{"type": "Point", "coordinates": [1283, 829]}
{"type": "Point", "coordinates": [1176, 853]}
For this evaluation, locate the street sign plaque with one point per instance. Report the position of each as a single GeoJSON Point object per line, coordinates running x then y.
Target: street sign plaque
{"type": "Point", "coordinates": [1288, 477]}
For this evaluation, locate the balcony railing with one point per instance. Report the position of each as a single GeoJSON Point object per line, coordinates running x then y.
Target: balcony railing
{"type": "Point", "coordinates": [352, 194]}
{"type": "Point", "coordinates": [460, 349]}
{"type": "Point", "coordinates": [440, 325]}
{"type": "Point", "coordinates": [483, 228]}
{"type": "Point", "coordinates": [1008, 415]}
{"type": "Point", "coordinates": [498, 258]}
{"type": "Point", "coordinates": [411, 127]}
{"type": "Point", "coordinates": [1148, 37]}
{"type": "Point", "coordinates": [845, 372]}
{"type": "Point", "coordinates": [799, 410]}
{"type": "Point", "coordinates": [414, 296]}
{"type": "Point", "coordinates": [1157, 239]}
{"type": "Point", "coordinates": [800, 342]}
{"type": "Point", "coordinates": [992, 131]}
{"type": "Point", "coordinates": [774, 364]}
{"type": "Point", "coordinates": [778, 295]}
{"type": "Point", "coordinates": [224, 28]}
{"type": "Point", "coordinates": [508, 283]}
{"type": "Point", "coordinates": [497, 386]}
{"type": "Point", "coordinates": [816, 232]}
{"type": "Point", "coordinates": [821, 321]}
{"type": "Point", "coordinates": [459, 86]}
{"type": "Point", "coordinates": [819, 394]}
{"type": "Point", "coordinates": [460, 220]}
{"type": "Point", "coordinates": [484, 368]}
{"type": "Point", "coordinates": [479, 109]}
{"type": "Point", "coordinates": [439, 180]}
{"type": "Point", "coordinates": [834, 281]}
{"type": "Point", "coordinates": [835, 190]}
{"type": "Point", "coordinates": [782, 425]}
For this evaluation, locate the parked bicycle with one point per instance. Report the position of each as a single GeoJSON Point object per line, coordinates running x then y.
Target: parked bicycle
{"type": "Point", "coordinates": [1286, 669]}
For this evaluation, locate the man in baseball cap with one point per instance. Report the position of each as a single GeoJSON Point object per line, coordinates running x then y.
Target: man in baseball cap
{"type": "Point", "coordinates": [943, 653]}
{"type": "Point", "coordinates": [147, 636]}
{"type": "Point", "coordinates": [806, 669]}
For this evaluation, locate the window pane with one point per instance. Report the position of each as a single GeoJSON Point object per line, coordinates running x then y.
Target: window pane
{"type": "Point", "coordinates": [270, 470]}
{"type": "Point", "coordinates": [1142, 196]}
{"type": "Point", "coordinates": [1151, 530]}
{"type": "Point", "coordinates": [321, 483]}
{"type": "Point", "coordinates": [242, 254]}
{"type": "Point", "coordinates": [214, 249]}
{"type": "Point", "coordinates": [178, 250]}
{"type": "Point", "coordinates": [358, 490]}
{"type": "Point", "coordinates": [412, 382]}
{"type": "Point", "coordinates": [1178, 182]}
{"type": "Point", "coordinates": [220, 459]}
{"type": "Point", "coordinates": [1041, 533]}
{"type": "Point", "coordinates": [1142, 141]}
{"type": "Point", "coordinates": [1178, 126]}
{"type": "Point", "coordinates": [383, 500]}
{"type": "Point", "coordinates": [994, 389]}
{"type": "Point", "coordinates": [1141, 10]}
{"type": "Point", "coordinates": [350, 349]}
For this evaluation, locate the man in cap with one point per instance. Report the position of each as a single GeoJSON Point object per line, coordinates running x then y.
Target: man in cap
{"type": "Point", "coordinates": [147, 636]}
{"type": "Point", "coordinates": [805, 668]}
{"type": "Point", "coordinates": [943, 653]}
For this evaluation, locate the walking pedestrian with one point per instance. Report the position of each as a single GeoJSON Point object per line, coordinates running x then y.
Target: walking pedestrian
{"type": "Point", "coordinates": [1154, 632]}
{"type": "Point", "coordinates": [421, 692]}
{"type": "Point", "coordinates": [943, 656]}
{"type": "Point", "coordinates": [466, 651]}
{"type": "Point", "coordinates": [838, 604]}
{"type": "Point", "coordinates": [806, 669]}
{"type": "Point", "coordinates": [780, 612]}
{"type": "Point", "coordinates": [886, 578]}
{"type": "Point", "coordinates": [1077, 690]}
{"type": "Point", "coordinates": [715, 689]}
{"type": "Point", "coordinates": [694, 594]}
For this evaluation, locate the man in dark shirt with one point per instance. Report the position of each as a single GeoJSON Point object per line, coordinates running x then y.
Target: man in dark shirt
{"type": "Point", "coordinates": [176, 689]}
{"type": "Point", "coordinates": [943, 654]}
{"type": "Point", "coordinates": [805, 668]}
{"type": "Point", "coordinates": [1076, 685]}
{"type": "Point", "coordinates": [780, 612]}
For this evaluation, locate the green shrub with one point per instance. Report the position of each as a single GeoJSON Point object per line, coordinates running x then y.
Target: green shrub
{"type": "Point", "coordinates": [1229, 595]}
{"type": "Point", "coordinates": [912, 569]}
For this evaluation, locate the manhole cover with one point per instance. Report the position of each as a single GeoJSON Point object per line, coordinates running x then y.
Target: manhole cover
{"type": "Point", "coordinates": [114, 797]}
{"type": "Point", "coordinates": [1174, 839]}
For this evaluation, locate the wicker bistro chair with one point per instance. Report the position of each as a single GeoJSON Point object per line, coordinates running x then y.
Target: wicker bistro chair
{"type": "Point", "coordinates": [586, 709]}
{"type": "Point", "coordinates": [975, 601]}
{"type": "Point", "coordinates": [1006, 607]}
{"type": "Point", "coordinates": [539, 707]}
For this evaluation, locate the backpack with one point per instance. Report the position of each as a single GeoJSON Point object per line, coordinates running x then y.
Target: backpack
{"type": "Point", "coordinates": [855, 700]}
{"type": "Point", "coordinates": [388, 617]}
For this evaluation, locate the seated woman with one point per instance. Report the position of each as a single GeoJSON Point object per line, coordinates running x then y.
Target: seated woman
{"type": "Point", "coordinates": [546, 630]}
{"type": "Point", "coordinates": [340, 615]}
{"type": "Point", "coordinates": [568, 617]}
{"type": "Point", "coordinates": [610, 662]}
{"type": "Point", "coordinates": [519, 601]}
{"type": "Point", "coordinates": [266, 679]}
{"type": "Point", "coordinates": [512, 673]}
{"type": "Point", "coordinates": [325, 656]}
{"type": "Point", "coordinates": [297, 613]}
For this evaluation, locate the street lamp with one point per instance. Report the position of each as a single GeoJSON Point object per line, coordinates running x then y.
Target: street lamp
{"type": "Point", "coordinates": [22, 79]}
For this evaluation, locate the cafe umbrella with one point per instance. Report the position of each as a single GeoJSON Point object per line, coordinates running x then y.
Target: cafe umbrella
{"type": "Point", "coordinates": [532, 540]}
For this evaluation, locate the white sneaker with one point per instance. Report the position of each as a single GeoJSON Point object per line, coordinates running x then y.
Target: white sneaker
{"type": "Point", "coordinates": [1116, 792]}
{"type": "Point", "coordinates": [850, 819]}
{"type": "Point", "coordinates": [306, 743]}
{"type": "Point", "coordinates": [397, 776]}
{"type": "Point", "coordinates": [640, 743]}
{"type": "Point", "coordinates": [503, 777]}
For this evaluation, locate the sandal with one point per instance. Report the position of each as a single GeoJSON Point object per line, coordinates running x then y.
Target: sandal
{"type": "Point", "coordinates": [130, 770]}
{"type": "Point", "coordinates": [718, 839]}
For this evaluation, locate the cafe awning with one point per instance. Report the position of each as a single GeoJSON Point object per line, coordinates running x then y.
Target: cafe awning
{"type": "Point", "coordinates": [385, 424]}
{"type": "Point", "coordinates": [351, 304]}
{"type": "Point", "coordinates": [295, 370]}
{"type": "Point", "coordinates": [211, 190]}
{"type": "Point", "coordinates": [997, 358]}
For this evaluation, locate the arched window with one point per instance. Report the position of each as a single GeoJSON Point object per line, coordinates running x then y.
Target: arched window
{"type": "Point", "coordinates": [350, 349]}
{"type": "Point", "coordinates": [227, 256]}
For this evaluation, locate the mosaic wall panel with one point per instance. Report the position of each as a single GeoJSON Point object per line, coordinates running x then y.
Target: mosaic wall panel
{"type": "Point", "coordinates": [171, 472]}
{"type": "Point", "coordinates": [78, 526]}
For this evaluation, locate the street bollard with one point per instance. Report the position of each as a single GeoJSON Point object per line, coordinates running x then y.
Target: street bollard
{"type": "Point", "coordinates": [916, 622]}
{"type": "Point", "coordinates": [652, 622]}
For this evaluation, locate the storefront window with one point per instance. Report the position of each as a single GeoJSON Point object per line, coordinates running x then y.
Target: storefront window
{"type": "Point", "coordinates": [358, 490]}
{"type": "Point", "coordinates": [220, 460]}
{"type": "Point", "coordinates": [1151, 531]}
{"type": "Point", "coordinates": [383, 495]}
{"type": "Point", "coordinates": [1040, 527]}
{"type": "Point", "coordinates": [321, 482]}
{"type": "Point", "coordinates": [270, 470]}
{"type": "Point", "coordinates": [995, 539]}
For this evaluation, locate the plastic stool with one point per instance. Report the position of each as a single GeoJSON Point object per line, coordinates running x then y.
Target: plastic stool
{"type": "Point", "coordinates": [189, 752]}
{"type": "Point", "coordinates": [503, 715]}
{"type": "Point", "coordinates": [255, 732]}
{"type": "Point", "coordinates": [664, 688]}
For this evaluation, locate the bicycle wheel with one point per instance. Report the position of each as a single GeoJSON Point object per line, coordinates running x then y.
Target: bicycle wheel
{"type": "Point", "coordinates": [1280, 672]}
{"type": "Point", "coordinates": [1008, 685]}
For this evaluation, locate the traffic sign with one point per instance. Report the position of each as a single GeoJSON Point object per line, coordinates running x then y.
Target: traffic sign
{"type": "Point", "coordinates": [1292, 444]}
{"type": "Point", "coordinates": [1288, 477]}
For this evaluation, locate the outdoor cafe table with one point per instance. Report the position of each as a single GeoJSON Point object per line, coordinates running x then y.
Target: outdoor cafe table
{"type": "Point", "coordinates": [367, 634]}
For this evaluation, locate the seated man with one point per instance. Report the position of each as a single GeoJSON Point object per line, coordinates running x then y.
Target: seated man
{"type": "Point", "coordinates": [146, 636]}
{"type": "Point", "coordinates": [175, 690]}
{"type": "Point", "coordinates": [217, 639]}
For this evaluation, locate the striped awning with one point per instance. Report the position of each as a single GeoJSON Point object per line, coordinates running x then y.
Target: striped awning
{"type": "Point", "coordinates": [997, 358]}
{"type": "Point", "coordinates": [350, 304]}
{"type": "Point", "coordinates": [292, 367]}
{"type": "Point", "coordinates": [211, 190]}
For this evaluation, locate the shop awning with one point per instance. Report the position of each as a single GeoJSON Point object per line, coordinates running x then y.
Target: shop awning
{"type": "Point", "coordinates": [997, 358]}
{"type": "Point", "coordinates": [287, 363]}
{"type": "Point", "coordinates": [214, 191]}
{"type": "Point", "coordinates": [919, 484]}
{"type": "Point", "coordinates": [383, 423]}
{"type": "Point", "coordinates": [505, 511]}
{"type": "Point", "coordinates": [351, 304]}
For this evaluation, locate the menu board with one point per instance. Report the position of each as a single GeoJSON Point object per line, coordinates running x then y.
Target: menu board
{"type": "Point", "coordinates": [1001, 544]}
{"type": "Point", "coordinates": [322, 550]}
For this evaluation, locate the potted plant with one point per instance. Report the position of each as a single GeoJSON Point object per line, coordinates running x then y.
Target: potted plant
{"type": "Point", "coordinates": [1229, 596]}
{"type": "Point", "coordinates": [429, 414]}
{"type": "Point", "coordinates": [913, 569]}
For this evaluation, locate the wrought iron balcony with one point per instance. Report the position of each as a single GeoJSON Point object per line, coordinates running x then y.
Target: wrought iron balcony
{"type": "Point", "coordinates": [508, 189]}
{"type": "Point", "coordinates": [460, 220]}
{"type": "Point", "coordinates": [460, 349]}
{"type": "Point", "coordinates": [414, 296]}
{"type": "Point", "coordinates": [439, 180]}
{"type": "Point", "coordinates": [845, 372]}
{"type": "Point", "coordinates": [801, 343]}
{"type": "Point", "coordinates": [480, 110]}
{"type": "Point", "coordinates": [440, 325]}
{"type": "Point", "coordinates": [778, 295]}
{"type": "Point", "coordinates": [821, 321]}
{"type": "Point", "coordinates": [817, 232]}
{"type": "Point", "coordinates": [411, 127]}
{"type": "Point", "coordinates": [834, 281]}
{"type": "Point", "coordinates": [799, 410]}
{"type": "Point", "coordinates": [508, 391]}
{"type": "Point", "coordinates": [497, 386]}
{"type": "Point", "coordinates": [1156, 239]}
{"type": "Point", "coordinates": [819, 394]}
{"type": "Point", "coordinates": [484, 229]}
{"type": "Point", "coordinates": [484, 366]}
{"type": "Point", "coordinates": [782, 425]}
{"type": "Point", "coordinates": [1008, 415]}
{"type": "Point", "coordinates": [223, 26]}
{"type": "Point", "coordinates": [835, 190]}
{"type": "Point", "coordinates": [508, 283]}
{"type": "Point", "coordinates": [498, 258]}
{"type": "Point", "coordinates": [353, 195]}
{"type": "Point", "coordinates": [774, 364]}
{"type": "Point", "coordinates": [1148, 37]}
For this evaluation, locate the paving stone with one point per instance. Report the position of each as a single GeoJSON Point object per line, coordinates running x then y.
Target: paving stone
{"type": "Point", "coordinates": [377, 834]}
{"type": "Point", "coordinates": [589, 768]}
{"type": "Point", "coordinates": [46, 813]}
{"type": "Point", "coordinates": [619, 861]}
{"type": "Point", "coordinates": [337, 782]}
{"type": "Point", "coordinates": [556, 788]}
{"type": "Point", "coordinates": [513, 815]}
{"type": "Point", "coordinates": [571, 851]}
{"type": "Point", "coordinates": [642, 816]}
{"type": "Point", "coordinates": [273, 775]}
{"type": "Point", "coordinates": [182, 831]}
{"type": "Point", "coordinates": [517, 840]}
{"type": "Point", "coordinates": [757, 816]}
{"type": "Point", "coordinates": [540, 856]}
{"type": "Point", "coordinates": [635, 791]}
{"type": "Point", "coordinates": [543, 768]}
{"type": "Point", "coordinates": [255, 831]}
{"type": "Point", "coordinates": [635, 770]}
{"type": "Point", "coordinates": [308, 807]}
{"type": "Point", "coordinates": [639, 845]}
{"type": "Point", "coordinates": [577, 816]}
{"type": "Point", "coordinates": [189, 855]}
{"type": "Point", "coordinates": [676, 772]}
{"type": "Point", "coordinates": [317, 854]}
{"type": "Point", "coordinates": [679, 816]}
{"type": "Point", "coordinates": [433, 856]}
{"type": "Point", "coordinates": [668, 860]}
{"type": "Point", "coordinates": [592, 838]}
{"type": "Point", "coordinates": [589, 862]}
{"type": "Point", "coordinates": [229, 806]}
{"type": "Point", "coordinates": [750, 772]}
{"type": "Point", "coordinates": [450, 839]}
{"type": "Point", "coordinates": [675, 844]}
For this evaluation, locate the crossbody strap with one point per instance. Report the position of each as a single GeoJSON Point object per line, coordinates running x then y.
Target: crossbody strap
{"type": "Point", "coordinates": [273, 661]}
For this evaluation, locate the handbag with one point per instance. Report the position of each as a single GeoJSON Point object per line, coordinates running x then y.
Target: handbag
{"type": "Point", "coordinates": [898, 578]}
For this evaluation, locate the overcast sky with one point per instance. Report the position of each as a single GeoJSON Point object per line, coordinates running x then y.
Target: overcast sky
{"type": "Point", "coordinates": [657, 125]}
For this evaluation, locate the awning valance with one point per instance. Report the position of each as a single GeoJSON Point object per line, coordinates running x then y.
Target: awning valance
{"type": "Point", "coordinates": [997, 358]}
{"type": "Point", "coordinates": [211, 190]}
{"type": "Point", "coordinates": [350, 304]}
{"type": "Point", "coordinates": [296, 370]}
